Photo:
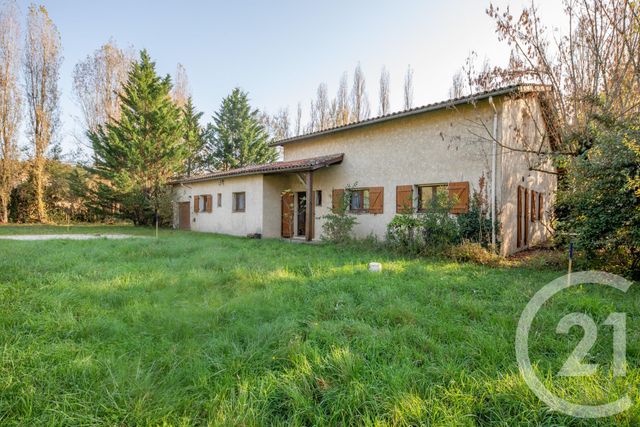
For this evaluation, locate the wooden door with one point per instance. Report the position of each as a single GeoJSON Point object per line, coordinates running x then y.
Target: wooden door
{"type": "Point", "coordinates": [184, 216]}
{"type": "Point", "coordinates": [302, 213]}
{"type": "Point", "coordinates": [287, 215]}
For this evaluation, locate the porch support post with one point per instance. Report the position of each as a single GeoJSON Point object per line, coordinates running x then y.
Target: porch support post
{"type": "Point", "coordinates": [310, 207]}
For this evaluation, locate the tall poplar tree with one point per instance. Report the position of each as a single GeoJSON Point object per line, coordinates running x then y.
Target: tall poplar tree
{"type": "Point", "coordinates": [138, 153]}
{"type": "Point", "coordinates": [237, 138]}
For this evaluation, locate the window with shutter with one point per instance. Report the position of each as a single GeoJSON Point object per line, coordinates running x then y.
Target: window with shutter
{"type": "Point", "coordinates": [540, 206]}
{"type": "Point", "coordinates": [428, 195]}
{"type": "Point", "coordinates": [404, 199]}
{"type": "Point", "coordinates": [196, 204]}
{"type": "Point", "coordinates": [459, 193]}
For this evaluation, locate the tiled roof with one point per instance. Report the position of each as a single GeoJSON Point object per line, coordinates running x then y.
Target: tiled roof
{"type": "Point", "coordinates": [301, 165]}
{"type": "Point", "coordinates": [519, 88]}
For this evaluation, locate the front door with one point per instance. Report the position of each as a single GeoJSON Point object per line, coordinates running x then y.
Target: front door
{"type": "Point", "coordinates": [287, 215]}
{"type": "Point", "coordinates": [184, 216]}
{"type": "Point", "coordinates": [302, 213]}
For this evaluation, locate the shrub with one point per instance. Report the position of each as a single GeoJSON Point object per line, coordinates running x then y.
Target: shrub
{"type": "Point", "coordinates": [338, 225]}
{"type": "Point", "coordinates": [474, 252]}
{"type": "Point", "coordinates": [430, 232]}
{"type": "Point", "coordinates": [475, 225]}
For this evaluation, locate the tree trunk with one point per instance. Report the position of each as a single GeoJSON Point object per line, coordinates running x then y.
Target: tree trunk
{"type": "Point", "coordinates": [38, 178]}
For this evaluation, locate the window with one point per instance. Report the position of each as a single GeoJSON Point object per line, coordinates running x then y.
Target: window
{"type": "Point", "coordinates": [202, 203]}
{"type": "Point", "coordinates": [318, 197]}
{"type": "Point", "coordinates": [219, 200]}
{"type": "Point", "coordinates": [359, 200]}
{"type": "Point", "coordinates": [238, 202]}
{"type": "Point", "coordinates": [540, 206]}
{"type": "Point", "coordinates": [427, 195]}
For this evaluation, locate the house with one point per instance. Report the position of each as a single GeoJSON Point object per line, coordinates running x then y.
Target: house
{"type": "Point", "coordinates": [470, 146]}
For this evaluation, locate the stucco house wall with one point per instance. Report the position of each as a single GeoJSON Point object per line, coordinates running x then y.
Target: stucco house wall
{"type": "Point", "coordinates": [428, 149]}
{"type": "Point", "coordinates": [437, 147]}
{"type": "Point", "coordinates": [223, 219]}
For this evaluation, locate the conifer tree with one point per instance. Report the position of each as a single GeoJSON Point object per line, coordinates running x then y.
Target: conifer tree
{"type": "Point", "coordinates": [237, 138]}
{"type": "Point", "coordinates": [193, 138]}
{"type": "Point", "coordinates": [138, 153]}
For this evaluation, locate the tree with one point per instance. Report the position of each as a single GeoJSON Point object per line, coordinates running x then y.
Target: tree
{"type": "Point", "coordinates": [343, 111]}
{"type": "Point", "coordinates": [193, 138]}
{"type": "Point", "coordinates": [601, 198]}
{"type": "Point", "coordinates": [457, 85]}
{"type": "Point", "coordinates": [10, 105]}
{"type": "Point", "coordinates": [320, 110]}
{"type": "Point", "coordinates": [237, 138]}
{"type": "Point", "coordinates": [42, 63]}
{"type": "Point", "coordinates": [136, 155]}
{"type": "Point", "coordinates": [383, 107]}
{"type": "Point", "coordinates": [181, 92]}
{"type": "Point", "coordinates": [359, 99]}
{"type": "Point", "coordinates": [408, 88]}
{"type": "Point", "coordinates": [298, 123]}
{"type": "Point", "coordinates": [97, 82]}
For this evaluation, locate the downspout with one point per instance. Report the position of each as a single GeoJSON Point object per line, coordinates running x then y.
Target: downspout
{"type": "Point", "coordinates": [493, 172]}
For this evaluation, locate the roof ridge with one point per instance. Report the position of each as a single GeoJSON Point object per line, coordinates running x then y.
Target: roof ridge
{"type": "Point", "coordinates": [519, 87]}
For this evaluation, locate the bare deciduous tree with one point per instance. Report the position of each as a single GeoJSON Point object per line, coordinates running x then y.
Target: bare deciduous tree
{"type": "Point", "coordinates": [298, 123]}
{"type": "Point", "coordinates": [343, 113]}
{"type": "Point", "coordinates": [593, 68]}
{"type": "Point", "coordinates": [359, 99]}
{"type": "Point", "coordinates": [408, 88]}
{"type": "Point", "coordinates": [42, 60]}
{"type": "Point", "coordinates": [10, 103]}
{"type": "Point", "coordinates": [383, 107]}
{"type": "Point", "coordinates": [181, 91]}
{"type": "Point", "coordinates": [97, 81]}
{"type": "Point", "coordinates": [320, 110]}
{"type": "Point", "coordinates": [457, 88]}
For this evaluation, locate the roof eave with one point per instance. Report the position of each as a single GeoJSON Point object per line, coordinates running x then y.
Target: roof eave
{"type": "Point", "coordinates": [306, 168]}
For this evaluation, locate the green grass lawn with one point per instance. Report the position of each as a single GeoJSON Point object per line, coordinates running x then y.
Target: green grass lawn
{"type": "Point", "coordinates": [207, 329]}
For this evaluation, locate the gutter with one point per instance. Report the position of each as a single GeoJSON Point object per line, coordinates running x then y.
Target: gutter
{"type": "Point", "coordinates": [494, 149]}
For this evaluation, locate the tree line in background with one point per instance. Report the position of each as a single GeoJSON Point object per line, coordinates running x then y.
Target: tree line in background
{"type": "Point", "coordinates": [142, 129]}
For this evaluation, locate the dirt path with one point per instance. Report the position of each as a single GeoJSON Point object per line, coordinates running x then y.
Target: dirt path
{"type": "Point", "coordinates": [66, 236]}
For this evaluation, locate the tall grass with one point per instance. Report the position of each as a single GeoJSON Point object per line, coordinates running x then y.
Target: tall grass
{"type": "Point", "coordinates": [199, 329]}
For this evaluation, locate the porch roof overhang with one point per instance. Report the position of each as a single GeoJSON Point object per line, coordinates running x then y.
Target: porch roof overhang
{"type": "Point", "coordinates": [292, 166]}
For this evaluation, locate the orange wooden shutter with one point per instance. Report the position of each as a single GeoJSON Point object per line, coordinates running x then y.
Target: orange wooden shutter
{"type": "Point", "coordinates": [534, 204]}
{"type": "Point", "coordinates": [404, 199]}
{"type": "Point", "coordinates": [337, 195]}
{"type": "Point", "coordinates": [459, 191]}
{"type": "Point", "coordinates": [196, 204]}
{"type": "Point", "coordinates": [208, 203]}
{"type": "Point", "coordinates": [376, 200]}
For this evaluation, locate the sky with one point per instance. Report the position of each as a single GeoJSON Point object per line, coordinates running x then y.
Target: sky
{"type": "Point", "coordinates": [279, 51]}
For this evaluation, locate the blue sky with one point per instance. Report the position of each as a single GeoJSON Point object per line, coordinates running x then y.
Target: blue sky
{"type": "Point", "coordinates": [279, 51]}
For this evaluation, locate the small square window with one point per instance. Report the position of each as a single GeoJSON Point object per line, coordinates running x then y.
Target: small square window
{"type": "Point", "coordinates": [427, 195]}
{"type": "Point", "coordinates": [219, 200]}
{"type": "Point", "coordinates": [202, 203]}
{"type": "Point", "coordinates": [359, 200]}
{"type": "Point", "coordinates": [239, 202]}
